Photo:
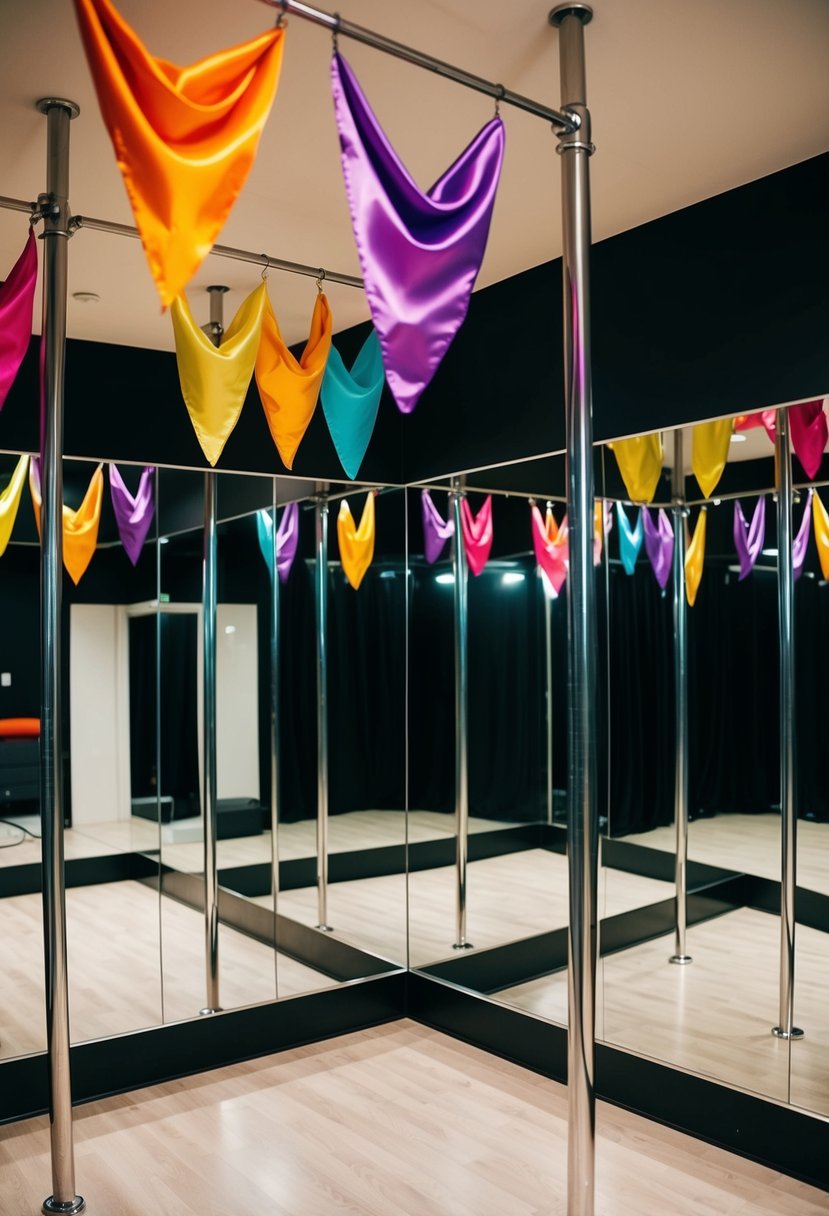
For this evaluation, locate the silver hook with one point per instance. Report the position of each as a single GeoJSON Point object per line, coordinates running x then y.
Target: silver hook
{"type": "Point", "coordinates": [335, 29]}
{"type": "Point", "coordinates": [266, 268]}
{"type": "Point", "coordinates": [320, 279]}
{"type": "Point", "coordinates": [281, 23]}
{"type": "Point", "coordinates": [499, 97]}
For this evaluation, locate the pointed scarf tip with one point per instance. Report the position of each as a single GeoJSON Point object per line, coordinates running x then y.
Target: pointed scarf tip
{"type": "Point", "coordinates": [356, 543]}
{"type": "Point", "coordinates": [351, 400]}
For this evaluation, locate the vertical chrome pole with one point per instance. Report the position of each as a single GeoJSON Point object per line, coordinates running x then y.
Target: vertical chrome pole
{"type": "Point", "coordinates": [680, 954]}
{"type": "Point", "coordinates": [55, 208]}
{"type": "Point", "coordinates": [785, 1028]}
{"type": "Point", "coordinates": [548, 655]}
{"type": "Point", "coordinates": [582, 818]}
{"type": "Point", "coordinates": [275, 739]}
{"type": "Point", "coordinates": [461, 587]}
{"type": "Point", "coordinates": [215, 329]}
{"type": "Point", "coordinates": [322, 712]}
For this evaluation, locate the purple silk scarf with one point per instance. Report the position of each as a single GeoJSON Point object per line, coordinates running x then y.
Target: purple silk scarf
{"type": "Point", "coordinates": [748, 541]}
{"type": "Point", "coordinates": [659, 544]}
{"type": "Point", "coordinates": [133, 514]}
{"type": "Point", "coordinates": [477, 534]}
{"type": "Point", "coordinates": [807, 423]}
{"type": "Point", "coordinates": [420, 253]}
{"type": "Point", "coordinates": [17, 296]}
{"type": "Point", "coordinates": [801, 542]}
{"type": "Point", "coordinates": [287, 539]}
{"type": "Point", "coordinates": [436, 531]}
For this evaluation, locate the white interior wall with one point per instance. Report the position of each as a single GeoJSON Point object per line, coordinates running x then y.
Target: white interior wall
{"type": "Point", "coordinates": [237, 683]}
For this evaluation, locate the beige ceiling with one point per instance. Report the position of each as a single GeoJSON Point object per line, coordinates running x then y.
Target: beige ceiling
{"type": "Point", "coordinates": [689, 98]}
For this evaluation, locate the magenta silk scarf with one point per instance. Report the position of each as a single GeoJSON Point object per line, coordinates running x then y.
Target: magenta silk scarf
{"type": "Point", "coordinates": [133, 513]}
{"type": "Point", "coordinates": [436, 530]}
{"type": "Point", "coordinates": [807, 425]}
{"type": "Point", "coordinates": [801, 542]}
{"type": "Point", "coordinates": [659, 544]}
{"type": "Point", "coordinates": [420, 253]}
{"type": "Point", "coordinates": [17, 297]}
{"type": "Point", "coordinates": [477, 534]}
{"type": "Point", "coordinates": [748, 541]}
{"type": "Point", "coordinates": [553, 556]}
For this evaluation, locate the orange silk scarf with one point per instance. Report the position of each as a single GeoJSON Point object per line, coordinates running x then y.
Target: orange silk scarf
{"type": "Point", "coordinates": [185, 137]}
{"type": "Point", "coordinates": [80, 528]}
{"type": "Point", "coordinates": [694, 559]}
{"type": "Point", "coordinates": [289, 388]}
{"type": "Point", "coordinates": [356, 544]}
{"type": "Point", "coordinates": [820, 524]}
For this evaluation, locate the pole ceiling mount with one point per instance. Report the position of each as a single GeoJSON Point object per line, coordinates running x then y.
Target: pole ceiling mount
{"type": "Point", "coordinates": [45, 104]}
{"type": "Point", "coordinates": [584, 12]}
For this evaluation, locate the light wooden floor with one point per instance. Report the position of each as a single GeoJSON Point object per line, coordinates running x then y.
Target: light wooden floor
{"type": "Point", "coordinates": [395, 1121]}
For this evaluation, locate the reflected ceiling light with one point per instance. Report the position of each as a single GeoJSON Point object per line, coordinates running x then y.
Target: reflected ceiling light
{"type": "Point", "coordinates": [230, 628]}
{"type": "Point", "coordinates": [164, 540]}
{"type": "Point", "coordinates": [444, 578]}
{"type": "Point", "coordinates": [769, 553]}
{"type": "Point", "coordinates": [387, 574]}
{"type": "Point", "coordinates": [511, 577]}
{"type": "Point", "coordinates": [86, 297]}
{"type": "Point", "coordinates": [738, 437]}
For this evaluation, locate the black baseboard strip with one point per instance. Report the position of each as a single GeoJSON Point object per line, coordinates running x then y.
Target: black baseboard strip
{"type": "Point", "coordinates": [80, 872]}
{"type": "Point", "coordinates": [657, 863]}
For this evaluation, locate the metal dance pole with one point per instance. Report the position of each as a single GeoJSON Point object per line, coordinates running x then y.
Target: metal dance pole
{"type": "Point", "coordinates": [322, 711]}
{"type": "Point", "coordinates": [785, 1028]}
{"type": "Point", "coordinates": [680, 954]}
{"type": "Point", "coordinates": [275, 738]}
{"type": "Point", "coordinates": [582, 817]}
{"type": "Point", "coordinates": [461, 587]}
{"type": "Point", "coordinates": [214, 329]}
{"type": "Point", "coordinates": [54, 206]}
{"type": "Point", "coordinates": [548, 655]}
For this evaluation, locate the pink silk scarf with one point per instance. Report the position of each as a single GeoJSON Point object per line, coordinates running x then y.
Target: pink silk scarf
{"type": "Point", "coordinates": [17, 297]}
{"type": "Point", "coordinates": [477, 534]}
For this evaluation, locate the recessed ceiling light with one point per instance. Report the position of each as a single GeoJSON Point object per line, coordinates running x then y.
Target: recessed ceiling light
{"type": "Point", "coordinates": [86, 297]}
{"type": "Point", "coordinates": [738, 438]}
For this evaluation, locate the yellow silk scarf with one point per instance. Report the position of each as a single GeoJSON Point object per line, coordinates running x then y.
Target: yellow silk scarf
{"type": "Point", "coordinates": [694, 558]}
{"type": "Point", "coordinates": [709, 452]}
{"type": "Point", "coordinates": [80, 528]}
{"type": "Point", "coordinates": [356, 544]}
{"type": "Point", "coordinates": [214, 379]}
{"type": "Point", "coordinates": [820, 524]}
{"type": "Point", "coordinates": [10, 501]}
{"type": "Point", "coordinates": [184, 137]}
{"type": "Point", "coordinates": [640, 463]}
{"type": "Point", "coordinates": [289, 388]}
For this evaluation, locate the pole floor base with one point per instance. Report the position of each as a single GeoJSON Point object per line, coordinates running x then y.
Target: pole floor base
{"type": "Point", "coordinates": [78, 1204]}
{"type": "Point", "coordinates": [462, 946]}
{"type": "Point", "coordinates": [780, 1032]}
{"type": "Point", "coordinates": [208, 1010]}
{"type": "Point", "coordinates": [680, 959]}
{"type": "Point", "coordinates": [325, 928]}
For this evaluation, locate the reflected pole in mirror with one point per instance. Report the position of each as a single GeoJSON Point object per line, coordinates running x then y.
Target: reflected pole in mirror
{"type": "Point", "coordinates": [548, 655]}
{"type": "Point", "coordinates": [54, 207]}
{"type": "Point", "coordinates": [785, 1028]}
{"type": "Point", "coordinates": [321, 515]}
{"type": "Point", "coordinates": [680, 955]}
{"type": "Point", "coordinates": [214, 329]}
{"type": "Point", "coordinates": [275, 736]}
{"type": "Point", "coordinates": [460, 600]}
{"type": "Point", "coordinates": [575, 149]}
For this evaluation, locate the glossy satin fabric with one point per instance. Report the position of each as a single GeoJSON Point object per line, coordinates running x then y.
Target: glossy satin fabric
{"type": "Point", "coordinates": [356, 544]}
{"type": "Point", "coordinates": [477, 534]}
{"type": "Point", "coordinates": [185, 137]}
{"type": "Point", "coordinates": [630, 539]}
{"type": "Point", "coordinates": [287, 539]}
{"type": "Point", "coordinates": [288, 387]}
{"type": "Point", "coordinates": [436, 530]}
{"type": "Point", "coordinates": [766, 419]}
{"type": "Point", "coordinates": [133, 513]}
{"type": "Point", "coordinates": [640, 464]}
{"type": "Point", "coordinates": [10, 501]}
{"type": "Point", "coordinates": [820, 523]}
{"type": "Point", "coordinates": [420, 253]}
{"type": "Point", "coordinates": [80, 528]}
{"type": "Point", "coordinates": [801, 541]}
{"type": "Point", "coordinates": [659, 544]}
{"type": "Point", "coordinates": [350, 400]}
{"type": "Point", "coordinates": [552, 550]}
{"type": "Point", "coordinates": [602, 524]}
{"type": "Point", "coordinates": [710, 442]}
{"type": "Point", "coordinates": [17, 297]}
{"type": "Point", "coordinates": [807, 427]}
{"type": "Point", "coordinates": [748, 541]}
{"type": "Point", "coordinates": [214, 379]}
{"type": "Point", "coordinates": [694, 559]}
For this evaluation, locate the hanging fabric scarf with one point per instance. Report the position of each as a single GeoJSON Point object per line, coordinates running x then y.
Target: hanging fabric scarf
{"type": "Point", "coordinates": [801, 541]}
{"type": "Point", "coordinates": [356, 544]}
{"type": "Point", "coordinates": [659, 544]}
{"type": "Point", "coordinates": [820, 520]}
{"type": "Point", "coordinates": [630, 540]}
{"type": "Point", "coordinates": [133, 515]}
{"type": "Point", "coordinates": [80, 528]}
{"type": "Point", "coordinates": [602, 524]}
{"type": "Point", "coordinates": [289, 387]}
{"type": "Point", "coordinates": [214, 379]}
{"type": "Point", "coordinates": [552, 551]}
{"type": "Point", "coordinates": [709, 452]}
{"type": "Point", "coordinates": [748, 541]}
{"type": "Point", "coordinates": [436, 531]}
{"type": "Point", "coordinates": [420, 253]}
{"type": "Point", "coordinates": [185, 137]}
{"type": "Point", "coordinates": [694, 558]}
{"type": "Point", "coordinates": [766, 419]}
{"type": "Point", "coordinates": [807, 425]}
{"type": "Point", "coordinates": [640, 464]}
{"type": "Point", "coordinates": [10, 501]}
{"type": "Point", "coordinates": [17, 296]}
{"type": "Point", "coordinates": [287, 539]}
{"type": "Point", "coordinates": [350, 400]}
{"type": "Point", "coordinates": [477, 534]}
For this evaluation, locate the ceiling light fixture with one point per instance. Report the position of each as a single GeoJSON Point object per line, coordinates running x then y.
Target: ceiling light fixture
{"type": "Point", "coordinates": [86, 297]}
{"type": "Point", "coordinates": [737, 437]}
